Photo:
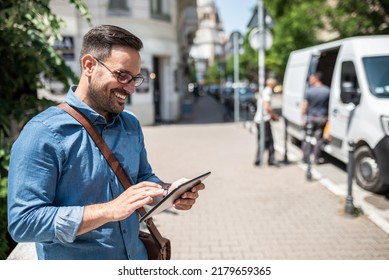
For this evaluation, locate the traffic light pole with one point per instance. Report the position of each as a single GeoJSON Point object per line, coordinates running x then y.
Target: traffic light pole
{"type": "Point", "coordinates": [261, 76]}
{"type": "Point", "coordinates": [236, 76]}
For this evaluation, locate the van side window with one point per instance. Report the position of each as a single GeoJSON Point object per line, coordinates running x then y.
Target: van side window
{"type": "Point", "coordinates": [349, 76]}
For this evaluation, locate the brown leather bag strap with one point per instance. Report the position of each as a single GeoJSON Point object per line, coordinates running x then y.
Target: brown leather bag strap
{"type": "Point", "coordinates": [111, 159]}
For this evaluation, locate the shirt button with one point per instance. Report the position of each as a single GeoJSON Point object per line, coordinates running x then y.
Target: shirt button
{"type": "Point", "coordinates": [124, 231]}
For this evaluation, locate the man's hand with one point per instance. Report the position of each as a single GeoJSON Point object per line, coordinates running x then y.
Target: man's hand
{"type": "Point", "coordinates": [187, 199]}
{"type": "Point", "coordinates": [121, 207]}
{"type": "Point", "coordinates": [133, 198]}
{"type": "Point", "coordinates": [275, 117]}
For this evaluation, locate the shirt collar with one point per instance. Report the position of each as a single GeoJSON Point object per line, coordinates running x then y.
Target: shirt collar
{"type": "Point", "coordinates": [73, 100]}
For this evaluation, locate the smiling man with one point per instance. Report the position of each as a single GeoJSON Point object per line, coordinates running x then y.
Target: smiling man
{"type": "Point", "coordinates": [62, 194]}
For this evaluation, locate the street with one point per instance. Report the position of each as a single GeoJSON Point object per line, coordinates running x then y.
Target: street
{"type": "Point", "coordinates": [250, 212]}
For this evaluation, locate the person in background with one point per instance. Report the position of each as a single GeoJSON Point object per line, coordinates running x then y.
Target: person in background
{"type": "Point", "coordinates": [315, 113]}
{"type": "Point", "coordinates": [268, 116]}
{"type": "Point", "coordinates": [62, 194]}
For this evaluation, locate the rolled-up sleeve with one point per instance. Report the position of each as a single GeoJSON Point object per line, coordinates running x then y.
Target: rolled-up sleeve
{"type": "Point", "coordinates": [67, 222]}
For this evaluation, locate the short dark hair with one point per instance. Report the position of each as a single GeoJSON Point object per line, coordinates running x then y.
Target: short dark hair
{"type": "Point", "coordinates": [318, 75]}
{"type": "Point", "coordinates": [100, 39]}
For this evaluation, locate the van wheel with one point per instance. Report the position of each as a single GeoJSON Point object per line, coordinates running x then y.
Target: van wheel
{"type": "Point", "coordinates": [367, 172]}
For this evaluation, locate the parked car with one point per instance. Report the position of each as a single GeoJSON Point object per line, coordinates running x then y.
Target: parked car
{"type": "Point", "coordinates": [247, 101]}
{"type": "Point", "coordinates": [246, 96]}
{"type": "Point", "coordinates": [213, 90]}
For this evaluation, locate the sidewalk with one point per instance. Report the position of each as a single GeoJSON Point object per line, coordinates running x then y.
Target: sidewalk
{"type": "Point", "coordinates": [249, 212]}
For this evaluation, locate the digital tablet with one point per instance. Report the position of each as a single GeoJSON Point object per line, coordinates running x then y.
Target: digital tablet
{"type": "Point", "coordinates": [168, 200]}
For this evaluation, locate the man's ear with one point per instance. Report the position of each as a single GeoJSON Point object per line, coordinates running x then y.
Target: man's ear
{"type": "Point", "coordinates": [88, 63]}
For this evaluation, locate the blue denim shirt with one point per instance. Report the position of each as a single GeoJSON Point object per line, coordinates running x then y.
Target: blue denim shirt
{"type": "Point", "coordinates": [56, 169]}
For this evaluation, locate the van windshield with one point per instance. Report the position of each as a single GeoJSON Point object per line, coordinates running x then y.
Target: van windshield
{"type": "Point", "coordinates": [377, 71]}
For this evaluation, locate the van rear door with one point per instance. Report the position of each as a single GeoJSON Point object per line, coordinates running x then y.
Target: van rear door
{"type": "Point", "coordinates": [300, 64]}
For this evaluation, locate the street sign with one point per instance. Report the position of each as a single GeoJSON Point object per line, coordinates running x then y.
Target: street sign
{"type": "Point", "coordinates": [268, 20]}
{"type": "Point", "coordinates": [255, 40]}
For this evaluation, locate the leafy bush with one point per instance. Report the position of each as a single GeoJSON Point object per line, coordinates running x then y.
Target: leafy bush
{"type": "Point", "coordinates": [4, 163]}
{"type": "Point", "coordinates": [28, 30]}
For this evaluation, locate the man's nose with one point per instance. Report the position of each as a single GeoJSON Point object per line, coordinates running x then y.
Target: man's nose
{"type": "Point", "coordinates": [130, 87]}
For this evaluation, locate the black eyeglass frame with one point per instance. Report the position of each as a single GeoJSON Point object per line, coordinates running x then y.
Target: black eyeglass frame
{"type": "Point", "coordinates": [122, 77]}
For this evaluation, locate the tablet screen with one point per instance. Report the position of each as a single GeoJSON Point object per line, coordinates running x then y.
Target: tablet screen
{"type": "Point", "coordinates": [168, 200]}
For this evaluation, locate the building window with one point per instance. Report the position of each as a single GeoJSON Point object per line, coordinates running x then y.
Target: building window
{"type": "Point", "coordinates": [145, 86]}
{"type": "Point", "coordinates": [160, 9]}
{"type": "Point", "coordinates": [118, 8]}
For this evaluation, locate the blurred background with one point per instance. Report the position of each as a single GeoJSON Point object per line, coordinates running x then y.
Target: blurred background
{"type": "Point", "coordinates": [190, 51]}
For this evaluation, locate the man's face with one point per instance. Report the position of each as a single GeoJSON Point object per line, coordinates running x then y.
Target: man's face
{"type": "Point", "coordinates": [105, 94]}
{"type": "Point", "coordinates": [312, 79]}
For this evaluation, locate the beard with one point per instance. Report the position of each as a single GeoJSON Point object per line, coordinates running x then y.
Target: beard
{"type": "Point", "coordinates": [104, 101]}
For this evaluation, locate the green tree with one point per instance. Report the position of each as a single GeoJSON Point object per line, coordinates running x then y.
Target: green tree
{"type": "Point", "coordinates": [248, 64]}
{"type": "Point", "coordinates": [354, 17]}
{"type": "Point", "coordinates": [213, 74]}
{"type": "Point", "coordinates": [28, 30]}
{"type": "Point", "coordinates": [296, 23]}
{"type": "Point", "coordinates": [299, 21]}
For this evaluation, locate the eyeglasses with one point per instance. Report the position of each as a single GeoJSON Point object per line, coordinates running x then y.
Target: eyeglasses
{"type": "Point", "coordinates": [121, 77]}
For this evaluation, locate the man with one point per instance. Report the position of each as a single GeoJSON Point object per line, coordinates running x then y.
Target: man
{"type": "Point", "coordinates": [268, 116]}
{"type": "Point", "coordinates": [315, 113]}
{"type": "Point", "coordinates": [62, 193]}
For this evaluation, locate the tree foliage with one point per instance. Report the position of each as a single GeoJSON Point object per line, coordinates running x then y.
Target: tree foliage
{"type": "Point", "coordinates": [353, 17]}
{"type": "Point", "coordinates": [248, 65]}
{"type": "Point", "coordinates": [298, 23]}
{"type": "Point", "coordinates": [28, 30]}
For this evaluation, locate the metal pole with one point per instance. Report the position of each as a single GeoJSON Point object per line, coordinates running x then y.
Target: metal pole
{"type": "Point", "coordinates": [350, 209]}
{"type": "Point", "coordinates": [261, 76]}
{"type": "Point", "coordinates": [286, 161]}
{"type": "Point", "coordinates": [221, 84]}
{"type": "Point", "coordinates": [308, 140]}
{"type": "Point", "coordinates": [236, 76]}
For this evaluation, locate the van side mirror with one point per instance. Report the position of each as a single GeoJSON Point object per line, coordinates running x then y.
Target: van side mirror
{"type": "Point", "coordinates": [349, 94]}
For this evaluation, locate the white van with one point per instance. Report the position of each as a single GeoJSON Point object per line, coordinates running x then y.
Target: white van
{"type": "Point", "coordinates": [357, 72]}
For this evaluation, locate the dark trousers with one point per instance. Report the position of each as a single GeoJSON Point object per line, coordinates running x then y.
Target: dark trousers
{"type": "Point", "coordinates": [318, 124]}
{"type": "Point", "coordinates": [269, 143]}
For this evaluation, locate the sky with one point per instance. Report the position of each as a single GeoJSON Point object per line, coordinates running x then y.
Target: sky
{"type": "Point", "coordinates": [235, 14]}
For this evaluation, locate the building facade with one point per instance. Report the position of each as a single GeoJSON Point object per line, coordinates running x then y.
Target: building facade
{"type": "Point", "coordinates": [166, 28]}
{"type": "Point", "coordinates": [210, 38]}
